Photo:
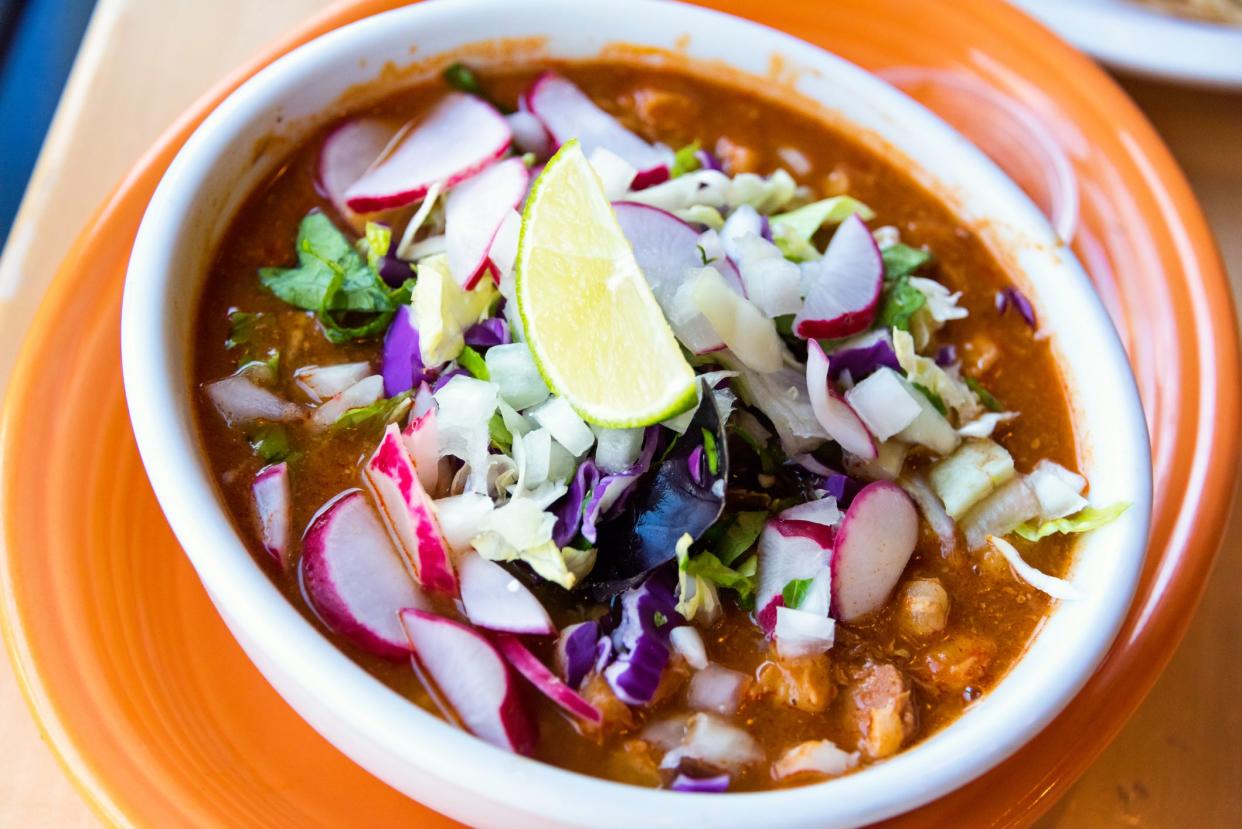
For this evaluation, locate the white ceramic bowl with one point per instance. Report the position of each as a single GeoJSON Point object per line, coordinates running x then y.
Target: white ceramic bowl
{"type": "Point", "coordinates": [420, 754]}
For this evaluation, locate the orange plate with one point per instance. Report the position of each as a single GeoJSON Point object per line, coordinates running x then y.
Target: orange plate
{"type": "Point", "coordinates": [161, 720]}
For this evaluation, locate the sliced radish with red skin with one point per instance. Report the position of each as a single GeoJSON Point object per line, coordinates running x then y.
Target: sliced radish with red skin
{"type": "Point", "coordinates": [845, 285]}
{"type": "Point", "coordinates": [354, 577]}
{"type": "Point", "coordinates": [873, 545]}
{"type": "Point", "coordinates": [460, 137]}
{"type": "Point", "coordinates": [789, 550]}
{"type": "Point", "coordinates": [839, 420]}
{"type": "Point", "coordinates": [409, 514]}
{"type": "Point", "coordinates": [348, 152]}
{"type": "Point", "coordinates": [567, 112]}
{"type": "Point", "coordinates": [273, 507]}
{"type": "Point", "coordinates": [472, 679]}
{"type": "Point", "coordinates": [544, 680]}
{"type": "Point", "coordinates": [473, 213]}
{"type": "Point", "coordinates": [496, 600]}
{"type": "Point", "coordinates": [422, 441]}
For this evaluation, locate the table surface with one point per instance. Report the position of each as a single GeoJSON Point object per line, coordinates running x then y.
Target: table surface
{"type": "Point", "coordinates": [143, 61]}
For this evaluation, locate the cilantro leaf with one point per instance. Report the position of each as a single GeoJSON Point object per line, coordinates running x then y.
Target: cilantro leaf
{"type": "Point", "coordinates": [795, 592]}
{"type": "Point", "coordinates": [386, 411]}
{"type": "Point", "coordinates": [241, 328]}
{"type": "Point", "coordinates": [898, 304]}
{"type": "Point", "coordinates": [271, 443]}
{"type": "Point", "coordinates": [685, 160]}
{"type": "Point", "coordinates": [902, 260]}
{"type": "Point", "coordinates": [462, 78]}
{"type": "Point", "coordinates": [740, 535]}
{"type": "Point", "coordinates": [986, 397]}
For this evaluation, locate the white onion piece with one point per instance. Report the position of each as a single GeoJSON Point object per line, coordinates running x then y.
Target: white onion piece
{"type": "Point", "coordinates": [814, 757]}
{"type": "Point", "coordinates": [1057, 489]}
{"type": "Point", "coordinates": [459, 137]}
{"type": "Point", "coordinates": [614, 172]}
{"type": "Point", "coordinates": [773, 283]}
{"type": "Point", "coordinates": [273, 507]}
{"type": "Point", "coordinates": [687, 641]}
{"type": "Point", "coordinates": [365, 392]}
{"type": "Point", "coordinates": [999, 513]}
{"type": "Point", "coordinates": [835, 415]}
{"type": "Point", "coordinates": [460, 517]}
{"type": "Point", "coordinates": [930, 428]}
{"type": "Point", "coordinates": [985, 424]}
{"type": "Point", "coordinates": [322, 382]}
{"type": "Point", "coordinates": [239, 401]}
{"type": "Point", "coordinates": [473, 214]}
{"type": "Point", "coordinates": [739, 323]}
{"type": "Point", "coordinates": [967, 476]}
{"type": "Point", "coordinates": [717, 690]}
{"type": "Point", "coordinates": [823, 511]}
{"type": "Point", "coordinates": [533, 454]}
{"type": "Point", "coordinates": [743, 221]}
{"type": "Point", "coordinates": [713, 741]}
{"type": "Point", "coordinates": [465, 407]}
{"type": "Point", "coordinates": [513, 370]}
{"type": "Point", "coordinates": [890, 458]}
{"type": "Point", "coordinates": [883, 403]}
{"type": "Point", "coordinates": [529, 136]}
{"type": "Point", "coordinates": [1053, 586]}
{"type": "Point", "coordinates": [617, 449]}
{"type": "Point", "coordinates": [802, 633]}
{"type": "Point", "coordinates": [566, 426]}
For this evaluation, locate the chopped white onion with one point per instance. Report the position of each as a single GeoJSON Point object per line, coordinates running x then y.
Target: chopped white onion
{"type": "Point", "coordinates": [533, 454]}
{"type": "Point", "coordinates": [569, 429]}
{"type": "Point", "coordinates": [802, 633]}
{"type": "Point", "coordinates": [743, 326]}
{"type": "Point", "coordinates": [985, 424]}
{"type": "Point", "coordinates": [717, 690]}
{"type": "Point", "coordinates": [512, 368]}
{"type": "Point", "coordinates": [614, 172]}
{"type": "Point", "coordinates": [929, 503]}
{"type": "Point", "coordinates": [688, 642]}
{"type": "Point", "coordinates": [460, 517]}
{"type": "Point", "coordinates": [711, 740]}
{"type": "Point", "coordinates": [1053, 586]}
{"type": "Point", "coordinates": [999, 513]}
{"type": "Point", "coordinates": [465, 407]}
{"type": "Point", "coordinates": [322, 382]}
{"type": "Point", "coordinates": [967, 476]}
{"type": "Point", "coordinates": [889, 460]}
{"type": "Point", "coordinates": [773, 283]}
{"type": "Point", "coordinates": [1057, 489]}
{"type": "Point", "coordinates": [884, 403]}
{"type": "Point", "coordinates": [617, 449]}
{"type": "Point", "coordinates": [239, 400]}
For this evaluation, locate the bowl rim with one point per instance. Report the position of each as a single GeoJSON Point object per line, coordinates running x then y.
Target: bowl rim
{"type": "Point", "coordinates": [239, 587]}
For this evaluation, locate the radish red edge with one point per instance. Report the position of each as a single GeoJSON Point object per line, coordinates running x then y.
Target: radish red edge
{"type": "Point", "coordinates": [844, 296]}
{"type": "Point", "coordinates": [544, 680]}
{"type": "Point", "coordinates": [839, 420]}
{"type": "Point", "coordinates": [473, 214]}
{"type": "Point", "coordinates": [468, 675]}
{"type": "Point", "coordinates": [873, 544]}
{"type": "Point", "coordinates": [354, 578]}
{"type": "Point", "coordinates": [409, 513]}
{"type": "Point", "coordinates": [459, 138]}
{"type": "Point", "coordinates": [346, 154]}
{"type": "Point", "coordinates": [273, 509]}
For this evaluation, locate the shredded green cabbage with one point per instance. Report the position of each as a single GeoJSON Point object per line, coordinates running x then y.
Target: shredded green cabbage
{"type": "Point", "coordinates": [924, 372]}
{"type": "Point", "coordinates": [443, 310]}
{"type": "Point", "coordinates": [1085, 520]}
{"type": "Point", "coordinates": [792, 232]}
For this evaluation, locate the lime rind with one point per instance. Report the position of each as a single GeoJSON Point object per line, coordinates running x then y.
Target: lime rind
{"type": "Point", "coordinates": [674, 391]}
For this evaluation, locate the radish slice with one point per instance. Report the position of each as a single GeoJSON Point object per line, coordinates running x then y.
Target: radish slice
{"type": "Point", "coordinates": [529, 136]}
{"type": "Point", "coordinates": [547, 682]}
{"type": "Point", "coordinates": [884, 403]}
{"type": "Point", "coordinates": [422, 441]}
{"type": "Point", "coordinates": [473, 213]}
{"type": "Point", "coordinates": [873, 544]}
{"type": "Point", "coordinates": [567, 112]}
{"type": "Point", "coordinates": [409, 514]}
{"type": "Point", "coordinates": [833, 413]}
{"type": "Point", "coordinates": [667, 251]}
{"type": "Point", "coordinates": [791, 551]}
{"type": "Point", "coordinates": [457, 139]}
{"type": "Point", "coordinates": [346, 154]}
{"type": "Point", "coordinates": [354, 578]}
{"type": "Point", "coordinates": [323, 382]}
{"type": "Point", "coordinates": [471, 677]}
{"type": "Point", "coordinates": [272, 506]}
{"type": "Point", "coordinates": [844, 285]}
{"type": "Point", "coordinates": [495, 600]}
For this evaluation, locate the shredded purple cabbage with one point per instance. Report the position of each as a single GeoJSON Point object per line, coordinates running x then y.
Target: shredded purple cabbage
{"type": "Point", "coordinates": [576, 652]}
{"type": "Point", "coordinates": [442, 380]}
{"type": "Point", "coordinates": [1014, 297]}
{"type": "Point", "coordinates": [946, 356]}
{"type": "Point", "coordinates": [842, 487]}
{"type": "Point", "coordinates": [609, 494]}
{"type": "Point", "coordinates": [394, 271]}
{"type": "Point", "coordinates": [489, 332]}
{"type": "Point", "coordinates": [765, 227]}
{"type": "Point", "coordinates": [708, 161]}
{"type": "Point", "coordinates": [401, 363]}
{"type": "Point", "coordinates": [569, 513]}
{"type": "Point", "coordinates": [695, 463]}
{"type": "Point", "coordinates": [711, 785]}
{"type": "Point", "coordinates": [862, 355]}
{"type": "Point", "coordinates": [640, 641]}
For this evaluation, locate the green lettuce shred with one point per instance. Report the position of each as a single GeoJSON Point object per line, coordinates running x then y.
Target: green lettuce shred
{"type": "Point", "coordinates": [709, 568]}
{"type": "Point", "coordinates": [792, 232]}
{"type": "Point", "coordinates": [685, 160]}
{"type": "Point", "coordinates": [899, 302]}
{"type": "Point", "coordinates": [1085, 520]}
{"type": "Point", "coordinates": [378, 239]}
{"type": "Point", "coordinates": [472, 361]}
{"type": "Point", "coordinates": [902, 260]}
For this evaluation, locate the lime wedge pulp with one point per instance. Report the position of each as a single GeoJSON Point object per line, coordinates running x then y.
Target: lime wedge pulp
{"type": "Point", "coordinates": [598, 336]}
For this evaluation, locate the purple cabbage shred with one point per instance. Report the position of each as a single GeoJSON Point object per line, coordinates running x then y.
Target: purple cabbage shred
{"type": "Point", "coordinates": [489, 332]}
{"type": "Point", "coordinates": [711, 785]}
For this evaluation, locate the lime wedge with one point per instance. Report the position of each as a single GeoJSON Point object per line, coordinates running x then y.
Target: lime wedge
{"type": "Point", "coordinates": [598, 336]}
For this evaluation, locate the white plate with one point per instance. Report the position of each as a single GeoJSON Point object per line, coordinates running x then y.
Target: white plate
{"type": "Point", "coordinates": [1134, 38]}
